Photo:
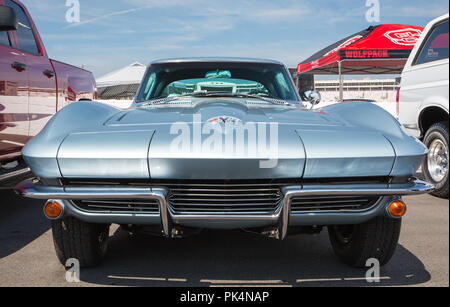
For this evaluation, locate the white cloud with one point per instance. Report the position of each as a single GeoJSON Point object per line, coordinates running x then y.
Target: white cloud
{"type": "Point", "coordinates": [105, 16]}
{"type": "Point", "coordinates": [232, 11]}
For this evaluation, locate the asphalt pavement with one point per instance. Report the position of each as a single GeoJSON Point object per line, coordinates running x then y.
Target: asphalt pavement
{"type": "Point", "coordinates": [221, 258]}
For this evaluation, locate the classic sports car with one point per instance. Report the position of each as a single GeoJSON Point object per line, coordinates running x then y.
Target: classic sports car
{"type": "Point", "coordinates": [224, 143]}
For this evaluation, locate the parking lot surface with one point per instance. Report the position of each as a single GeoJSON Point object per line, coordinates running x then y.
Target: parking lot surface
{"type": "Point", "coordinates": [221, 258]}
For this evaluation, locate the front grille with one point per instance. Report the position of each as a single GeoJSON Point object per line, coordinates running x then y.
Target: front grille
{"type": "Point", "coordinates": [230, 197]}
{"type": "Point", "coordinates": [332, 203]}
{"type": "Point", "coordinates": [224, 198]}
{"type": "Point", "coordinates": [118, 206]}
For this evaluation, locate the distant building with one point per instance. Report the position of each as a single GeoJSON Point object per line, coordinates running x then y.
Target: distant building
{"type": "Point", "coordinates": [379, 90]}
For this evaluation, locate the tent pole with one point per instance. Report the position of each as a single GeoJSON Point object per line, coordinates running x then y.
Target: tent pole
{"type": "Point", "coordinates": [341, 83]}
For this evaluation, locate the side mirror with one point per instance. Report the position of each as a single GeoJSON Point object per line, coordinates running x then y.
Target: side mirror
{"type": "Point", "coordinates": [312, 97]}
{"type": "Point", "coordinates": [8, 19]}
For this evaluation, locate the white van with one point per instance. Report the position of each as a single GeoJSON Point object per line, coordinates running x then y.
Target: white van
{"type": "Point", "coordinates": [423, 107]}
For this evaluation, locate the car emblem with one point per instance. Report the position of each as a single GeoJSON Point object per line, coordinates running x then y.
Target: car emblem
{"type": "Point", "coordinates": [225, 120]}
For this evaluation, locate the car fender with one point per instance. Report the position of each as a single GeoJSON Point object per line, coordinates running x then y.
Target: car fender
{"type": "Point", "coordinates": [41, 152]}
{"type": "Point", "coordinates": [409, 151]}
{"type": "Point", "coordinates": [368, 115]}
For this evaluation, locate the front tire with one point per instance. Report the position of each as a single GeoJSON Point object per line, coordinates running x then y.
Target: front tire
{"type": "Point", "coordinates": [83, 241]}
{"type": "Point", "coordinates": [436, 165]}
{"type": "Point", "coordinates": [355, 244]}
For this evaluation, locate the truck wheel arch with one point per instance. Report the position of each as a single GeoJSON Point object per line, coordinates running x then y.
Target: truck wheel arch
{"type": "Point", "coordinates": [430, 116]}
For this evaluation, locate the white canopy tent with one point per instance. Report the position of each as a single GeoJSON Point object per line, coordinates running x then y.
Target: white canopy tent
{"type": "Point", "coordinates": [119, 87]}
{"type": "Point", "coordinates": [131, 74]}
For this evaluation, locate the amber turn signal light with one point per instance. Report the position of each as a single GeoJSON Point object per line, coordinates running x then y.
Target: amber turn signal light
{"type": "Point", "coordinates": [53, 210]}
{"type": "Point", "coordinates": [397, 208]}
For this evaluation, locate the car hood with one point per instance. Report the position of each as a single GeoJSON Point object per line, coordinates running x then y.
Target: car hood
{"type": "Point", "coordinates": [205, 109]}
{"type": "Point", "coordinates": [192, 142]}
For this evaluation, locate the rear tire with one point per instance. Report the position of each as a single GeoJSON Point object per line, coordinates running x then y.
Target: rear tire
{"type": "Point", "coordinates": [355, 244]}
{"type": "Point", "coordinates": [437, 135]}
{"type": "Point", "coordinates": [83, 241]}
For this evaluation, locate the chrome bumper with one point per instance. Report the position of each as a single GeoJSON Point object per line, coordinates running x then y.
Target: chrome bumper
{"type": "Point", "coordinates": [166, 217]}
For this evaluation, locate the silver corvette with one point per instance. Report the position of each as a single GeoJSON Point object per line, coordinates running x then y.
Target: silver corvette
{"type": "Point", "coordinates": [224, 143]}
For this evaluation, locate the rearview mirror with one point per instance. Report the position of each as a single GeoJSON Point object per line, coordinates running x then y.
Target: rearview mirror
{"type": "Point", "coordinates": [8, 20]}
{"type": "Point", "coordinates": [312, 97]}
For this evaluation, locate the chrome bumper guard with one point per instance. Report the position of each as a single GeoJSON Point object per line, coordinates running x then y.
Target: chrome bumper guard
{"type": "Point", "coordinates": [283, 215]}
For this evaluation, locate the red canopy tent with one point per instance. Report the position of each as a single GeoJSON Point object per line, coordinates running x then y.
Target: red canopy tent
{"type": "Point", "coordinates": [382, 49]}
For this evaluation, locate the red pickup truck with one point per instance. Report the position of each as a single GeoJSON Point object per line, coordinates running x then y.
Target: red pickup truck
{"type": "Point", "coordinates": [32, 86]}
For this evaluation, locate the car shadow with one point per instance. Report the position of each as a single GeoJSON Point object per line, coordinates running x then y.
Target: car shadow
{"type": "Point", "coordinates": [21, 222]}
{"type": "Point", "coordinates": [234, 258]}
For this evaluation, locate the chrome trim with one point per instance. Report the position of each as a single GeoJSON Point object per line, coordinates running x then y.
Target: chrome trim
{"type": "Point", "coordinates": [13, 174]}
{"type": "Point", "coordinates": [227, 199]}
{"type": "Point", "coordinates": [411, 126]}
{"type": "Point", "coordinates": [341, 210]}
{"type": "Point", "coordinates": [122, 211]}
{"type": "Point", "coordinates": [286, 210]}
{"type": "Point", "coordinates": [438, 160]}
{"type": "Point", "coordinates": [214, 59]}
{"type": "Point", "coordinates": [121, 218]}
{"type": "Point", "coordinates": [33, 189]}
{"type": "Point", "coordinates": [414, 187]}
{"type": "Point", "coordinates": [163, 212]}
{"type": "Point", "coordinates": [224, 217]}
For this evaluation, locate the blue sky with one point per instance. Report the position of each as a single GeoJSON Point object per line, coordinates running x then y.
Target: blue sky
{"type": "Point", "coordinates": [112, 34]}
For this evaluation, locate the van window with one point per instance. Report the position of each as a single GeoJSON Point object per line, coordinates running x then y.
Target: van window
{"type": "Point", "coordinates": [25, 33]}
{"type": "Point", "coordinates": [436, 46]}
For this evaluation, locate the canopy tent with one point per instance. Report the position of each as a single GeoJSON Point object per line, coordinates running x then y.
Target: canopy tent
{"type": "Point", "coordinates": [121, 84]}
{"type": "Point", "coordinates": [382, 49]}
{"type": "Point", "coordinates": [131, 74]}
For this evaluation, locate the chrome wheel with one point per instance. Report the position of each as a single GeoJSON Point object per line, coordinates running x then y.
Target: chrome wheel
{"type": "Point", "coordinates": [438, 160]}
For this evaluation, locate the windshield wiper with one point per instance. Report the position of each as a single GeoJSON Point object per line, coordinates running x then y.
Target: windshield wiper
{"type": "Point", "coordinates": [264, 98]}
{"type": "Point", "coordinates": [164, 100]}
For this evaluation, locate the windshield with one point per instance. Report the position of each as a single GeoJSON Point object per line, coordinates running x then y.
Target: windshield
{"type": "Point", "coordinates": [171, 80]}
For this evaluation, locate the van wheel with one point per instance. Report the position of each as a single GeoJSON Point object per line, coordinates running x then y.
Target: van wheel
{"type": "Point", "coordinates": [376, 239]}
{"type": "Point", "coordinates": [436, 164]}
{"type": "Point", "coordinates": [83, 241]}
